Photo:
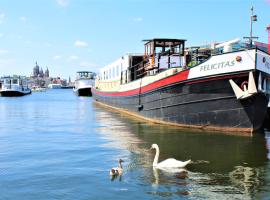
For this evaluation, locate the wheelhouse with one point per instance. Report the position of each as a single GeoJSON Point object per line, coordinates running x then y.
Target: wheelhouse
{"type": "Point", "coordinates": [85, 75]}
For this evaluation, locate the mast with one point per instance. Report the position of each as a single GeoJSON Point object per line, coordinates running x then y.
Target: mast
{"type": "Point", "coordinates": [253, 18]}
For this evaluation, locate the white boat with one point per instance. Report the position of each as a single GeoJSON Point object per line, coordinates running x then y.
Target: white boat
{"type": "Point", "coordinates": [84, 82]}
{"type": "Point", "coordinates": [38, 89]}
{"type": "Point", "coordinates": [14, 86]}
{"type": "Point", "coordinates": [54, 86]}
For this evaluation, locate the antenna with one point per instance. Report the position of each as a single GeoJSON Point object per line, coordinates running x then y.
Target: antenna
{"type": "Point", "coordinates": [253, 18]}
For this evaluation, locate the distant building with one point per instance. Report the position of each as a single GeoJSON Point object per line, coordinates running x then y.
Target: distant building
{"type": "Point", "coordinates": [41, 78]}
{"type": "Point", "coordinates": [47, 73]}
{"type": "Point", "coordinates": [36, 70]}
{"type": "Point", "coordinates": [41, 73]}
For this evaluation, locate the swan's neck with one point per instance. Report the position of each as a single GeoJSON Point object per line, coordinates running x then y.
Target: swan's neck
{"type": "Point", "coordinates": [156, 157]}
{"type": "Point", "coordinates": [120, 165]}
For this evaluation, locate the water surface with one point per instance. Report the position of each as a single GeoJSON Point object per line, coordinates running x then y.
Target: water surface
{"type": "Point", "coordinates": [55, 145]}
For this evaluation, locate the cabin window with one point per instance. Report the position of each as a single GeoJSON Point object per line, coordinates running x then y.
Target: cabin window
{"type": "Point", "coordinates": [15, 81]}
{"type": "Point", "coordinates": [113, 72]}
{"type": "Point", "coordinates": [117, 70]}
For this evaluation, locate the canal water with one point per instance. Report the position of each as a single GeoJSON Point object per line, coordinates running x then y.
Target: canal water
{"type": "Point", "coordinates": [55, 145]}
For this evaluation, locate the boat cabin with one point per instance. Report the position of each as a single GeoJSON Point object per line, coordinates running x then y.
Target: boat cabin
{"type": "Point", "coordinates": [159, 55]}
{"type": "Point", "coordinates": [85, 75]}
{"type": "Point", "coordinates": [12, 82]}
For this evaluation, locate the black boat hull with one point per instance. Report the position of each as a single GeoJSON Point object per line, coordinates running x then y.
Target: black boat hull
{"type": "Point", "coordinates": [84, 92]}
{"type": "Point", "coordinates": [267, 120]}
{"type": "Point", "coordinates": [13, 93]}
{"type": "Point", "coordinates": [208, 105]}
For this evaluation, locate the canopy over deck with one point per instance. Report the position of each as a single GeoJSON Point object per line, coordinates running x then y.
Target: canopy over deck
{"type": "Point", "coordinates": [164, 42]}
{"type": "Point", "coordinates": [162, 45]}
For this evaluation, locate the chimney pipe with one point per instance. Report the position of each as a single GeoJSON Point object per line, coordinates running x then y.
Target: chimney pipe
{"type": "Point", "coordinates": [268, 29]}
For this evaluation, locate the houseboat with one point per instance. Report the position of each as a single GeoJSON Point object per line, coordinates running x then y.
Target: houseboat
{"type": "Point", "coordinates": [221, 87]}
{"type": "Point", "coordinates": [84, 82]}
{"type": "Point", "coordinates": [12, 86]}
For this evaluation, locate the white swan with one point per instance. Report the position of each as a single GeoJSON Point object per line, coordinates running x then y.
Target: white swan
{"type": "Point", "coordinates": [168, 163]}
{"type": "Point", "coordinates": [115, 171]}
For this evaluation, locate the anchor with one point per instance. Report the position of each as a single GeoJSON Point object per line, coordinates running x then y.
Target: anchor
{"type": "Point", "coordinates": [247, 91]}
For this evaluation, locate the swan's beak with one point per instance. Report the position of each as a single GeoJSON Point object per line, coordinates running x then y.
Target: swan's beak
{"type": "Point", "coordinates": [151, 148]}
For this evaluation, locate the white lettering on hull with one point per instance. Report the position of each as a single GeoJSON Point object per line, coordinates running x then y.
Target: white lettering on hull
{"type": "Point", "coordinates": [224, 63]}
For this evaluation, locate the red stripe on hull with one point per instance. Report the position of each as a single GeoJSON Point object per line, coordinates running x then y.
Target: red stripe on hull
{"type": "Point", "coordinates": [158, 84]}
{"type": "Point", "coordinates": [182, 76]}
{"type": "Point", "coordinates": [167, 81]}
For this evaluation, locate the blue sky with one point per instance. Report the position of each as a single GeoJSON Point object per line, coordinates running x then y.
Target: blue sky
{"type": "Point", "coordinates": [71, 35]}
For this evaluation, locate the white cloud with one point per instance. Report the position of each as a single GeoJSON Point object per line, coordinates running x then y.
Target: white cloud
{"type": "Point", "coordinates": [57, 57]}
{"type": "Point", "coordinates": [79, 43]}
{"type": "Point", "coordinates": [138, 19]}
{"type": "Point", "coordinates": [73, 57]}
{"type": "Point", "coordinates": [23, 19]}
{"type": "Point", "coordinates": [2, 17]}
{"type": "Point", "coordinates": [62, 3]}
{"type": "Point", "coordinates": [7, 62]}
{"type": "Point", "coordinates": [3, 51]}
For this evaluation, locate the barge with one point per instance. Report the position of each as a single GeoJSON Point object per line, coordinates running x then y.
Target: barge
{"type": "Point", "coordinates": [221, 87]}
{"type": "Point", "coordinates": [13, 86]}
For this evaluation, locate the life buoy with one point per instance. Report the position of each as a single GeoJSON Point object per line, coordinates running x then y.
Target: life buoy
{"type": "Point", "coordinates": [243, 84]}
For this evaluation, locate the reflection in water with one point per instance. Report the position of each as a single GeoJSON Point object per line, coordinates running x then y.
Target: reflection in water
{"type": "Point", "coordinates": [59, 146]}
{"type": "Point", "coordinates": [247, 179]}
{"type": "Point", "coordinates": [113, 178]}
{"type": "Point", "coordinates": [267, 137]}
{"type": "Point", "coordinates": [179, 173]}
{"type": "Point", "coordinates": [224, 166]}
{"type": "Point", "coordinates": [176, 177]}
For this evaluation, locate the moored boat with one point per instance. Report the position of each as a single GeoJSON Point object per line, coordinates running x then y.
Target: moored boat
{"type": "Point", "coordinates": [222, 87]}
{"type": "Point", "coordinates": [12, 86]}
{"type": "Point", "coordinates": [54, 86]}
{"type": "Point", "coordinates": [38, 89]}
{"type": "Point", "coordinates": [84, 82]}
